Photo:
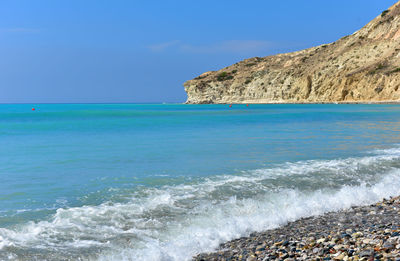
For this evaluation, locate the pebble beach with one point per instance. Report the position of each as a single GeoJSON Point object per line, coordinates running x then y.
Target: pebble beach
{"type": "Point", "coordinates": [359, 233]}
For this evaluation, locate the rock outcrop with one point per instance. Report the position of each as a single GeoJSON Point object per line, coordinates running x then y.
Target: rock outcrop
{"type": "Point", "coordinates": [362, 67]}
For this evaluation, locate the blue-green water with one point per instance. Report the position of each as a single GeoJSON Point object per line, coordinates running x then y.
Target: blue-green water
{"type": "Point", "coordinates": [164, 182]}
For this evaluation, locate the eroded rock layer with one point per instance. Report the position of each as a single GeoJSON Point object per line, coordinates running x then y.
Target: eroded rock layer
{"type": "Point", "coordinates": [362, 67]}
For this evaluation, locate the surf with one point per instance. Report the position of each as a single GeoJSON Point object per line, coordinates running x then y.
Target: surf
{"type": "Point", "coordinates": [175, 222]}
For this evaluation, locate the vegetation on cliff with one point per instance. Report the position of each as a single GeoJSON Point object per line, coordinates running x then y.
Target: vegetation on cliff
{"type": "Point", "coordinates": [362, 67]}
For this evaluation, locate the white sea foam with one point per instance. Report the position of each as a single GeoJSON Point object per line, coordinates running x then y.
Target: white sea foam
{"type": "Point", "coordinates": [176, 222]}
{"type": "Point", "coordinates": [236, 218]}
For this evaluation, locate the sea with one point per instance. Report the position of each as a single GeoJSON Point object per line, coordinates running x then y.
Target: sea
{"type": "Point", "coordinates": [168, 181]}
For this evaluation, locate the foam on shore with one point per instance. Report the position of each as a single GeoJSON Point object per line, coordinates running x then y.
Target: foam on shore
{"type": "Point", "coordinates": [177, 222]}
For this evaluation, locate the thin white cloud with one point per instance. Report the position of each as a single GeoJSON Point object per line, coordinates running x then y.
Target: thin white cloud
{"type": "Point", "coordinates": [232, 46]}
{"type": "Point", "coordinates": [19, 30]}
{"type": "Point", "coordinates": [162, 46]}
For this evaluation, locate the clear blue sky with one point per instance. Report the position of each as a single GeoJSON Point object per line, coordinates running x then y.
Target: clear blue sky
{"type": "Point", "coordinates": [143, 51]}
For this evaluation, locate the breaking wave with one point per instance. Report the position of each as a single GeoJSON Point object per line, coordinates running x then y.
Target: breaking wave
{"type": "Point", "coordinates": [175, 222]}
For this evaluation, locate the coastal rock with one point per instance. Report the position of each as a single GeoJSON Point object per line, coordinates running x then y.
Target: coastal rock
{"type": "Point", "coordinates": [362, 67]}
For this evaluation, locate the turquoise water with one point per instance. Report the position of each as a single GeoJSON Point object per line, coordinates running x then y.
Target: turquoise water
{"type": "Point", "coordinates": [164, 182]}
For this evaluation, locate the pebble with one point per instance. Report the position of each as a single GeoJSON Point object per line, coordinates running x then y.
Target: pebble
{"type": "Point", "coordinates": [360, 233]}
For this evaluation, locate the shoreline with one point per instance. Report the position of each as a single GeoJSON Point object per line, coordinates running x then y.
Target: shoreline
{"type": "Point", "coordinates": [395, 102]}
{"type": "Point", "coordinates": [369, 232]}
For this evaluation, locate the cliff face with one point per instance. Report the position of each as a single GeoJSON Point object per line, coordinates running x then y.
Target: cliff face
{"type": "Point", "coordinates": [362, 67]}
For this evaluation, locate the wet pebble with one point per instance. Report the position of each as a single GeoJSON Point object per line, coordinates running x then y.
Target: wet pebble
{"type": "Point", "coordinates": [360, 233]}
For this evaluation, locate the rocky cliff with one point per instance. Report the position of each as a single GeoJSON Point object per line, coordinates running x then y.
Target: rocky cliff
{"type": "Point", "coordinates": [362, 67]}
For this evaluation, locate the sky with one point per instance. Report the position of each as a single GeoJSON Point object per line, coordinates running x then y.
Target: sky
{"type": "Point", "coordinates": [116, 51]}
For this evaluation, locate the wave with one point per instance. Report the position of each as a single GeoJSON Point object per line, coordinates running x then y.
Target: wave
{"type": "Point", "coordinates": [175, 222]}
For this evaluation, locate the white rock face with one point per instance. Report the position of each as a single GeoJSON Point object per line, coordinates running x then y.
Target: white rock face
{"type": "Point", "coordinates": [362, 67]}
